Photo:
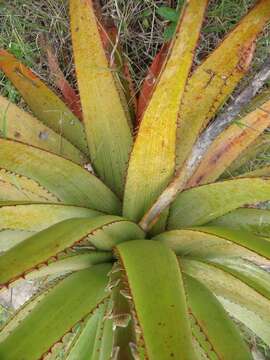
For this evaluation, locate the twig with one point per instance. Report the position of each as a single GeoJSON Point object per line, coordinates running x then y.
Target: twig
{"type": "Point", "coordinates": [228, 115]}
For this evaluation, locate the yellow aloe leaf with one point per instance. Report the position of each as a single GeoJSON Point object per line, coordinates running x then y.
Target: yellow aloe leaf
{"type": "Point", "coordinates": [152, 160]}
{"type": "Point", "coordinates": [29, 217]}
{"type": "Point", "coordinates": [106, 123]}
{"type": "Point", "coordinates": [229, 144]}
{"type": "Point", "coordinates": [69, 182]}
{"type": "Point", "coordinates": [21, 188]}
{"type": "Point", "coordinates": [18, 125]}
{"type": "Point", "coordinates": [214, 80]}
{"type": "Point", "coordinates": [44, 103]}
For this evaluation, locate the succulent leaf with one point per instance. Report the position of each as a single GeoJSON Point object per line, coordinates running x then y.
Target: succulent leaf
{"type": "Point", "coordinates": [242, 302]}
{"type": "Point", "coordinates": [229, 144]}
{"type": "Point", "coordinates": [159, 300]}
{"type": "Point", "coordinates": [36, 217]}
{"type": "Point", "coordinates": [256, 221]}
{"type": "Point", "coordinates": [214, 322]}
{"type": "Point", "coordinates": [106, 124]}
{"type": "Point", "coordinates": [67, 303]}
{"type": "Point", "coordinates": [82, 345]}
{"type": "Point", "coordinates": [152, 159]}
{"type": "Point", "coordinates": [16, 124]}
{"type": "Point", "coordinates": [199, 205]}
{"type": "Point", "coordinates": [69, 182]}
{"type": "Point", "coordinates": [44, 103]}
{"type": "Point", "coordinates": [215, 79]}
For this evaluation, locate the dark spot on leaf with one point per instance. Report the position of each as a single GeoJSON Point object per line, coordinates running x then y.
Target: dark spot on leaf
{"type": "Point", "coordinates": [17, 134]}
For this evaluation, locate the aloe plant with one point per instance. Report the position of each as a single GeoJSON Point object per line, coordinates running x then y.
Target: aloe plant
{"type": "Point", "coordinates": [139, 263]}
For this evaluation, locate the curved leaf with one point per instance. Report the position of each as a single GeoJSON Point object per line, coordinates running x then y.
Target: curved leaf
{"type": "Point", "coordinates": [244, 270]}
{"type": "Point", "coordinates": [202, 244]}
{"type": "Point", "coordinates": [68, 181]}
{"type": "Point", "coordinates": [17, 124]}
{"type": "Point", "coordinates": [156, 287]}
{"type": "Point", "coordinates": [231, 251]}
{"type": "Point", "coordinates": [10, 238]}
{"type": "Point", "coordinates": [18, 316]}
{"type": "Point", "coordinates": [242, 302]}
{"type": "Point", "coordinates": [215, 79]}
{"type": "Point", "coordinates": [152, 76]}
{"type": "Point", "coordinates": [254, 220]}
{"type": "Point", "coordinates": [152, 160]}
{"type": "Point", "coordinates": [259, 245]}
{"type": "Point", "coordinates": [82, 346]}
{"type": "Point", "coordinates": [41, 247]}
{"type": "Point", "coordinates": [102, 349]}
{"type": "Point", "coordinates": [69, 302]}
{"type": "Point", "coordinates": [107, 126]}
{"type": "Point", "coordinates": [256, 323]}
{"type": "Point", "coordinates": [70, 264]}
{"type": "Point", "coordinates": [70, 96]}
{"type": "Point", "coordinates": [214, 322]}
{"type": "Point", "coordinates": [44, 103]}
{"type": "Point", "coordinates": [37, 217]}
{"type": "Point", "coordinates": [108, 237]}
{"type": "Point", "coordinates": [16, 187]}
{"type": "Point", "coordinates": [202, 204]}
{"type": "Point", "coordinates": [229, 144]}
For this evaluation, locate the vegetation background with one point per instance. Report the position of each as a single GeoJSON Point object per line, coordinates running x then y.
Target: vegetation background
{"type": "Point", "coordinates": [142, 29]}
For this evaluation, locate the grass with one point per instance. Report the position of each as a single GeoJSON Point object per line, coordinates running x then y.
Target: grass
{"type": "Point", "coordinates": [140, 32]}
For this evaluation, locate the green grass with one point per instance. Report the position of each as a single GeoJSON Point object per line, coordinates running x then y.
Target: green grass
{"type": "Point", "coordinates": [141, 33]}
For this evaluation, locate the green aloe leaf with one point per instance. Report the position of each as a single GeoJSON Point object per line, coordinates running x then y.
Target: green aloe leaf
{"type": "Point", "coordinates": [68, 181]}
{"type": "Point", "coordinates": [10, 238]}
{"type": "Point", "coordinates": [17, 124]}
{"type": "Point", "coordinates": [205, 203]}
{"type": "Point", "coordinates": [202, 244]}
{"type": "Point", "coordinates": [258, 244]}
{"type": "Point", "coordinates": [232, 251]}
{"type": "Point", "coordinates": [18, 316]}
{"type": "Point", "coordinates": [241, 301]}
{"type": "Point", "coordinates": [68, 303]}
{"type": "Point", "coordinates": [102, 348]}
{"type": "Point", "coordinates": [15, 187]}
{"type": "Point", "coordinates": [254, 220]}
{"type": "Point", "coordinates": [41, 247]}
{"type": "Point", "coordinates": [156, 286]}
{"type": "Point", "coordinates": [70, 264]}
{"type": "Point", "coordinates": [214, 322]}
{"type": "Point", "coordinates": [82, 346]}
{"type": "Point", "coordinates": [251, 274]}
